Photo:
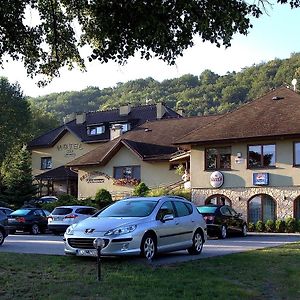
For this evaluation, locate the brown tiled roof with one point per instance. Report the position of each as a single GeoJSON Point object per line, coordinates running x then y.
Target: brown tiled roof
{"type": "Point", "coordinates": [151, 141]}
{"type": "Point", "coordinates": [60, 173]}
{"type": "Point", "coordinates": [137, 116]}
{"type": "Point", "coordinates": [276, 114]}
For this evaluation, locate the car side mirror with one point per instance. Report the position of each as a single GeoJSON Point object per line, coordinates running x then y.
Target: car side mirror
{"type": "Point", "coordinates": [167, 217]}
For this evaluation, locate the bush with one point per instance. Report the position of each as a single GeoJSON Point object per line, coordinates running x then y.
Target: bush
{"type": "Point", "coordinates": [157, 192]}
{"type": "Point", "coordinates": [290, 225]}
{"type": "Point", "coordinates": [141, 190]}
{"type": "Point", "coordinates": [251, 227]}
{"type": "Point", "coordinates": [270, 226]}
{"type": "Point", "coordinates": [103, 198]}
{"type": "Point", "coordinates": [280, 226]}
{"type": "Point", "coordinates": [182, 193]}
{"type": "Point", "coordinates": [260, 226]}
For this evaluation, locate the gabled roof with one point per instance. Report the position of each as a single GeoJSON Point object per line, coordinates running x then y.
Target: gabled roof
{"type": "Point", "coordinates": [136, 117]}
{"type": "Point", "coordinates": [61, 173]}
{"type": "Point", "coordinates": [276, 114]}
{"type": "Point", "coordinates": [151, 141]}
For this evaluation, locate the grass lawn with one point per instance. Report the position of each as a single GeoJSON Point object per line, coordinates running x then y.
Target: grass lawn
{"type": "Point", "coordinates": [263, 274]}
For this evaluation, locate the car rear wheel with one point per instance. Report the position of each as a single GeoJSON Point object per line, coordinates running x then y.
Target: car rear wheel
{"type": "Point", "coordinates": [223, 232]}
{"type": "Point", "coordinates": [244, 230]}
{"type": "Point", "coordinates": [1, 237]}
{"type": "Point", "coordinates": [197, 244]}
{"type": "Point", "coordinates": [35, 229]}
{"type": "Point", "coordinates": [148, 246]}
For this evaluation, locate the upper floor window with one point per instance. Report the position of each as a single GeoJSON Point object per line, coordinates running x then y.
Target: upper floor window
{"type": "Point", "coordinates": [46, 163]}
{"type": "Point", "coordinates": [261, 156]}
{"type": "Point", "coordinates": [95, 130]}
{"type": "Point", "coordinates": [297, 154]}
{"type": "Point", "coordinates": [125, 127]}
{"type": "Point", "coordinates": [218, 158]}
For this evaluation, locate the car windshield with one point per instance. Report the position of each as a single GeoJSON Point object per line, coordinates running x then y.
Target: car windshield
{"type": "Point", "coordinates": [21, 212]}
{"type": "Point", "coordinates": [129, 208]}
{"type": "Point", "coordinates": [207, 209]}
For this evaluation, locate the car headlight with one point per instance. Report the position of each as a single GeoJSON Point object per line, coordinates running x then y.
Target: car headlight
{"type": "Point", "coordinates": [70, 229]}
{"type": "Point", "coordinates": [121, 230]}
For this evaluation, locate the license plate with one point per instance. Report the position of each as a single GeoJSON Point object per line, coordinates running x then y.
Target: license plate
{"type": "Point", "coordinates": [87, 252]}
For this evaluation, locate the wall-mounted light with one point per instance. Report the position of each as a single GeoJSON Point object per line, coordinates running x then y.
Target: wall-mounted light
{"type": "Point", "coordinates": [239, 154]}
{"type": "Point", "coordinates": [240, 198]}
{"type": "Point", "coordinates": [284, 197]}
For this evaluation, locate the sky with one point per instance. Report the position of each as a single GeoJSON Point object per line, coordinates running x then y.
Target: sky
{"type": "Point", "coordinates": [274, 35]}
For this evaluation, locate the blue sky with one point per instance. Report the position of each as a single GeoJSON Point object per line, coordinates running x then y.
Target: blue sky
{"type": "Point", "coordinates": [275, 35]}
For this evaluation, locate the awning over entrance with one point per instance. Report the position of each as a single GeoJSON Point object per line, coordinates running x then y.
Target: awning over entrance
{"type": "Point", "coordinates": [58, 181]}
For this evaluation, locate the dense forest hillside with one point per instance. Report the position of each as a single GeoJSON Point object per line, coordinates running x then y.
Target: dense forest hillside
{"type": "Point", "coordinates": [207, 93]}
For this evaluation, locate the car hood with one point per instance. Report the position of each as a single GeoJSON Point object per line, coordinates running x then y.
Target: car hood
{"type": "Point", "coordinates": [105, 224]}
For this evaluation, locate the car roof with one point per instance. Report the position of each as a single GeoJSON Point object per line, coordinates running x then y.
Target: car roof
{"type": "Point", "coordinates": [156, 198]}
{"type": "Point", "coordinates": [74, 206]}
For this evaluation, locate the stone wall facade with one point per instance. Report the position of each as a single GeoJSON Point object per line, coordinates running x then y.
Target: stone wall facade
{"type": "Point", "coordinates": [284, 197]}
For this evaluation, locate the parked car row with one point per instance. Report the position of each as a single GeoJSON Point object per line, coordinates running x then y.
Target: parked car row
{"type": "Point", "coordinates": [140, 225]}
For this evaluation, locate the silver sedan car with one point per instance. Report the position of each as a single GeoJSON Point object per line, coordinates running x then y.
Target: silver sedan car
{"type": "Point", "coordinates": [139, 226]}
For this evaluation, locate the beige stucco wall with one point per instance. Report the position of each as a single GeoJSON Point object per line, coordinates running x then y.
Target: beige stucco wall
{"type": "Point", "coordinates": [65, 150]}
{"type": "Point", "coordinates": [284, 180]}
{"type": "Point", "coordinates": [91, 179]}
{"type": "Point", "coordinates": [239, 176]}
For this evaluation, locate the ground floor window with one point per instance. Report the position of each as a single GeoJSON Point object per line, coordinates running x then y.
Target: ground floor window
{"type": "Point", "coordinates": [218, 200]}
{"type": "Point", "coordinates": [297, 208]}
{"type": "Point", "coordinates": [127, 172]}
{"type": "Point", "coordinates": [261, 208]}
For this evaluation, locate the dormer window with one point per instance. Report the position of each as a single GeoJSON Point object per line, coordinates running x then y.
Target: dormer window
{"type": "Point", "coordinates": [125, 127]}
{"type": "Point", "coordinates": [95, 130]}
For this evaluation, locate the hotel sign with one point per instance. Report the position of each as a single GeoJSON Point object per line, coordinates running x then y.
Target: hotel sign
{"type": "Point", "coordinates": [216, 179]}
{"type": "Point", "coordinates": [260, 178]}
{"type": "Point", "coordinates": [70, 150]}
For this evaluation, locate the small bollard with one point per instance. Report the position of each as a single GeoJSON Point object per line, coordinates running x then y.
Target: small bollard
{"type": "Point", "coordinates": [98, 244]}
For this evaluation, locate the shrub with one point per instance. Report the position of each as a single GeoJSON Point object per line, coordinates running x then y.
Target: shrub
{"type": "Point", "coordinates": [182, 193]}
{"type": "Point", "coordinates": [280, 226]}
{"type": "Point", "coordinates": [66, 198]}
{"type": "Point", "coordinates": [251, 227]}
{"type": "Point", "coordinates": [141, 190]}
{"type": "Point", "coordinates": [157, 192]}
{"type": "Point", "coordinates": [290, 225]}
{"type": "Point", "coordinates": [270, 226]}
{"type": "Point", "coordinates": [103, 198]}
{"type": "Point", "coordinates": [260, 226]}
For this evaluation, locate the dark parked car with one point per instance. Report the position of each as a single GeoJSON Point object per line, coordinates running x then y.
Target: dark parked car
{"type": "Point", "coordinates": [222, 220]}
{"type": "Point", "coordinates": [33, 220]}
{"type": "Point", "coordinates": [6, 210]}
{"type": "Point", "coordinates": [3, 227]}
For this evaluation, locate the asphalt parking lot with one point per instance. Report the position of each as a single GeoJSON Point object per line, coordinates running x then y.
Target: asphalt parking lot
{"type": "Point", "coordinates": [53, 245]}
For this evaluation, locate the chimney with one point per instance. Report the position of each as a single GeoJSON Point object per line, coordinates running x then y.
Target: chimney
{"type": "Point", "coordinates": [115, 131]}
{"type": "Point", "coordinates": [80, 118]}
{"type": "Point", "coordinates": [124, 110]}
{"type": "Point", "coordinates": [160, 110]}
{"type": "Point", "coordinates": [69, 118]}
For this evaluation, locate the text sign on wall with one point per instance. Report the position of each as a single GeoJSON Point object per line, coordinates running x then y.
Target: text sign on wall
{"type": "Point", "coordinates": [216, 179]}
{"type": "Point", "coordinates": [260, 178]}
{"type": "Point", "coordinates": [70, 149]}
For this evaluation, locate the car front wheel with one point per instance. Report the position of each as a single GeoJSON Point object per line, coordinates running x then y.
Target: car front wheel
{"type": "Point", "coordinates": [1, 237]}
{"type": "Point", "coordinates": [35, 229]}
{"type": "Point", "coordinates": [148, 247]}
{"type": "Point", "coordinates": [197, 244]}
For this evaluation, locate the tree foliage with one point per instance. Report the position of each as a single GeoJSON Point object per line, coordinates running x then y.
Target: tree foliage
{"type": "Point", "coordinates": [14, 117]}
{"type": "Point", "coordinates": [17, 179]}
{"type": "Point", "coordinates": [116, 30]}
{"type": "Point", "coordinates": [208, 93]}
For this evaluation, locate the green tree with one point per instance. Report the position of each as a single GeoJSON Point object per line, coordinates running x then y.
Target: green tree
{"type": "Point", "coordinates": [116, 30]}
{"type": "Point", "coordinates": [18, 178]}
{"type": "Point", "coordinates": [103, 198]}
{"type": "Point", "coordinates": [14, 117]}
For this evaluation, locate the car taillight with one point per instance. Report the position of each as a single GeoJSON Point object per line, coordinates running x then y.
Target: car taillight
{"type": "Point", "coordinates": [73, 216]}
{"type": "Point", "coordinates": [20, 219]}
{"type": "Point", "coordinates": [50, 218]}
{"type": "Point", "coordinates": [209, 218]}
